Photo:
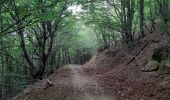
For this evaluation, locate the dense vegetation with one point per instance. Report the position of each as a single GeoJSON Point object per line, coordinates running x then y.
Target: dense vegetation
{"type": "Point", "coordinates": [39, 36]}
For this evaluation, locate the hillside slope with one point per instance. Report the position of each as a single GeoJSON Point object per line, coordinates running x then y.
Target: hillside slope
{"type": "Point", "coordinates": [111, 75]}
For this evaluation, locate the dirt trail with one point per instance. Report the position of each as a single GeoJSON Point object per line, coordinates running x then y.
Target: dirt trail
{"type": "Point", "coordinates": [107, 76]}
{"type": "Point", "coordinates": [86, 87]}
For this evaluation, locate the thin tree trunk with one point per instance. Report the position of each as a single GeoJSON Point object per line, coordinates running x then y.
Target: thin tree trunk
{"type": "Point", "coordinates": [59, 56]}
{"type": "Point", "coordinates": [2, 74]}
{"type": "Point", "coordinates": [141, 13]}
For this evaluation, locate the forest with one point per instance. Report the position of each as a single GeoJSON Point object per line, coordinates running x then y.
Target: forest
{"type": "Point", "coordinates": [38, 37]}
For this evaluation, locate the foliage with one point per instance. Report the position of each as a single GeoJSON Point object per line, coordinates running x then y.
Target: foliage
{"type": "Point", "coordinates": [39, 36]}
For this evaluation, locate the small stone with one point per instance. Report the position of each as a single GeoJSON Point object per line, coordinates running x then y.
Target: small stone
{"type": "Point", "coordinates": [122, 95]}
{"type": "Point", "coordinates": [151, 66]}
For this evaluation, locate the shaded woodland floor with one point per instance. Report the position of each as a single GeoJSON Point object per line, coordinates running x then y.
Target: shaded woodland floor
{"type": "Point", "coordinates": [111, 75]}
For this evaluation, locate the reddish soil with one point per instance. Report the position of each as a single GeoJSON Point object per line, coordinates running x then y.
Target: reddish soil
{"type": "Point", "coordinates": [109, 75]}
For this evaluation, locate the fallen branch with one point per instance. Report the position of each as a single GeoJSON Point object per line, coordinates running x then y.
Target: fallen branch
{"type": "Point", "coordinates": [48, 84]}
{"type": "Point", "coordinates": [133, 58]}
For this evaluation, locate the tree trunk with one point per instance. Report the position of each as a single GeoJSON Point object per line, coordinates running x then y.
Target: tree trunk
{"type": "Point", "coordinates": [2, 73]}
{"type": "Point", "coordinates": [141, 18]}
{"type": "Point", "coordinates": [127, 15]}
{"type": "Point", "coordinates": [26, 56]}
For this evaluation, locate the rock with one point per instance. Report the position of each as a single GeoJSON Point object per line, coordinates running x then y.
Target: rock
{"type": "Point", "coordinates": [122, 95]}
{"type": "Point", "coordinates": [27, 90]}
{"type": "Point", "coordinates": [142, 99]}
{"type": "Point", "coordinates": [156, 75]}
{"type": "Point", "coordinates": [164, 67]}
{"type": "Point", "coordinates": [161, 52]}
{"type": "Point", "coordinates": [151, 66]}
{"type": "Point", "coordinates": [166, 81]}
{"type": "Point", "coordinates": [167, 63]}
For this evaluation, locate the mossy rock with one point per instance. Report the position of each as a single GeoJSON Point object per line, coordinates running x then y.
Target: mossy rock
{"type": "Point", "coordinates": [161, 53]}
{"type": "Point", "coordinates": [151, 66]}
{"type": "Point", "coordinates": [166, 81]}
{"type": "Point", "coordinates": [164, 67]}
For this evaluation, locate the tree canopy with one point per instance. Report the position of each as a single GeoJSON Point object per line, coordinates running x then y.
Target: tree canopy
{"type": "Point", "coordinates": [39, 36]}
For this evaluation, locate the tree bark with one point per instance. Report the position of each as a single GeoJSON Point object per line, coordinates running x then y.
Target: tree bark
{"type": "Point", "coordinates": [141, 18]}
{"type": "Point", "coordinates": [25, 52]}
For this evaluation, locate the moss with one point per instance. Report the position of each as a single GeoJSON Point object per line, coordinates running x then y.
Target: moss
{"type": "Point", "coordinates": [151, 66]}
{"type": "Point", "coordinates": [164, 68]}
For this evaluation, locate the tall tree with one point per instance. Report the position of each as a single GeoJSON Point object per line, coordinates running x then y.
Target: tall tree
{"type": "Point", "coordinates": [164, 12]}
{"type": "Point", "coordinates": [125, 10]}
{"type": "Point", "coordinates": [141, 18]}
{"type": "Point", "coordinates": [44, 32]}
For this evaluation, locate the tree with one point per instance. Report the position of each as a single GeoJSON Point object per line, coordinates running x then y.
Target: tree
{"type": "Point", "coordinates": [39, 36]}
{"type": "Point", "coordinates": [141, 14]}
{"type": "Point", "coordinates": [125, 10]}
{"type": "Point", "coordinates": [44, 33]}
{"type": "Point", "coordinates": [164, 11]}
